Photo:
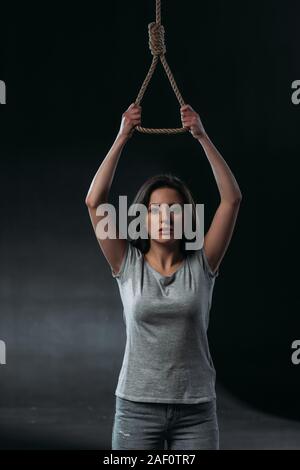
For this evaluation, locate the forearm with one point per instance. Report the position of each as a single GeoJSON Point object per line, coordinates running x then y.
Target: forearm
{"type": "Point", "coordinates": [102, 181]}
{"type": "Point", "coordinates": [228, 187]}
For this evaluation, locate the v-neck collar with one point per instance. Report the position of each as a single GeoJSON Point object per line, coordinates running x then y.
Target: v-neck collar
{"type": "Point", "coordinates": [162, 275]}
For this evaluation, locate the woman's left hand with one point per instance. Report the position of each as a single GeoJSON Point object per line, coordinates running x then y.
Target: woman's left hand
{"type": "Point", "coordinates": [192, 121]}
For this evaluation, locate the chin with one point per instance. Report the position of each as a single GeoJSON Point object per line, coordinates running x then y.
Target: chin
{"type": "Point", "coordinates": [165, 241]}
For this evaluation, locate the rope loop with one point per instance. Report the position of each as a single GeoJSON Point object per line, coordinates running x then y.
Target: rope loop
{"type": "Point", "coordinates": [158, 49]}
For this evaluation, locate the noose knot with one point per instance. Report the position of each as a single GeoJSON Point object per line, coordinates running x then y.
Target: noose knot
{"type": "Point", "coordinates": [156, 38]}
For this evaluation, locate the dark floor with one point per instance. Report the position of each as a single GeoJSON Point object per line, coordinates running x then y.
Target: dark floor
{"type": "Point", "coordinates": [90, 427]}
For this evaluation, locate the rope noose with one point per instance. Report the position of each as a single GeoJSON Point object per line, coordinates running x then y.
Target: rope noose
{"type": "Point", "coordinates": [158, 49]}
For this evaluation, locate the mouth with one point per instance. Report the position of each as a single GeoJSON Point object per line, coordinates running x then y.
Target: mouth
{"type": "Point", "coordinates": [166, 230]}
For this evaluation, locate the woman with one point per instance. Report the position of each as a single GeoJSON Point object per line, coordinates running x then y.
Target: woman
{"type": "Point", "coordinates": [166, 387]}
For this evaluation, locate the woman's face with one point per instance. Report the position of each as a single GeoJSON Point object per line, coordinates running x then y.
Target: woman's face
{"type": "Point", "coordinates": [165, 213]}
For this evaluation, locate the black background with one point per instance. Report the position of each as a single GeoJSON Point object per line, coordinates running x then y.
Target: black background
{"type": "Point", "coordinates": [70, 72]}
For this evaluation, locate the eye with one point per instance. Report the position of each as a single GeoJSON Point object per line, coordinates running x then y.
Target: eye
{"type": "Point", "coordinates": [176, 209]}
{"type": "Point", "coordinates": [154, 209]}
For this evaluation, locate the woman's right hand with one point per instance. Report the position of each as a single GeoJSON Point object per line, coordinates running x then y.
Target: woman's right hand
{"type": "Point", "coordinates": [130, 119]}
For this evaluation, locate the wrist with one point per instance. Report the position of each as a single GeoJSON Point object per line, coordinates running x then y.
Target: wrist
{"type": "Point", "coordinates": [203, 137]}
{"type": "Point", "coordinates": [122, 138]}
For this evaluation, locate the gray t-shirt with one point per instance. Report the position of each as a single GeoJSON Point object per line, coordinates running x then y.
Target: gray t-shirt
{"type": "Point", "coordinates": [167, 357]}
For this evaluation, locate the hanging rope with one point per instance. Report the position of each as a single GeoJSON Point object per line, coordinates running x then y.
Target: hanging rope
{"type": "Point", "coordinates": [158, 49]}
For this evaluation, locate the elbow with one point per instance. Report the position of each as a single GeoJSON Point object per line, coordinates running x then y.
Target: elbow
{"type": "Point", "coordinates": [238, 199]}
{"type": "Point", "coordinates": [233, 202]}
{"type": "Point", "coordinates": [93, 203]}
{"type": "Point", "coordinates": [90, 203]}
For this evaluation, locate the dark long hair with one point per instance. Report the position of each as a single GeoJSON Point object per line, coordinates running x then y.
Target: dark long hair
{"type": "Point", "coordinates": [143, 197]}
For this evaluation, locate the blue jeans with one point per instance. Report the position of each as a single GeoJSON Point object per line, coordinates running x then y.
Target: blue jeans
{"type": "Point", "coordinates": [141, 425]}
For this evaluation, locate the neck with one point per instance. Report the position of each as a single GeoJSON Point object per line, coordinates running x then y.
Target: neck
{"type": "Point", "coordinates": [164, 256]}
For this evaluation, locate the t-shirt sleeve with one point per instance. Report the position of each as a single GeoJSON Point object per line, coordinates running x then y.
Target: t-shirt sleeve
{"type": "Point", "coordinates": [128, 262]}
{"type": "Point", "coordinates": [204, 263]}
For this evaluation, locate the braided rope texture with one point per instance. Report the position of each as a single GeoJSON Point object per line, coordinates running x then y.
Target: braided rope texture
{"type": "Point", "coordinates": [157, 47]}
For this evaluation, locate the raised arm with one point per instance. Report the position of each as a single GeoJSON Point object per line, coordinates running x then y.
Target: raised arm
{"type": "Point", "coordinates": [218, 236]}
{"type": "Point", "coordinates": [98, 193]}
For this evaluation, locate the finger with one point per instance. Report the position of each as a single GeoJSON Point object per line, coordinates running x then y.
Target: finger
{"type": "Point", "coordinates": [186, 113]}
{"type": "Point", "coordinates": [134, 118]}
{"type": "Point", "coordinates": [134, 107]}
{"type": "Point", "coordinates": [186, 107]}
{"type": "Point", "coordinates": [135, 113]}
{"type": "Point", "coordinates": [135, 110]}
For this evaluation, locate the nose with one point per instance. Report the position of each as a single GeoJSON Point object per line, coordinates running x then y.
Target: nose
{"type": "Point", "coordinates": [165, 218]}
